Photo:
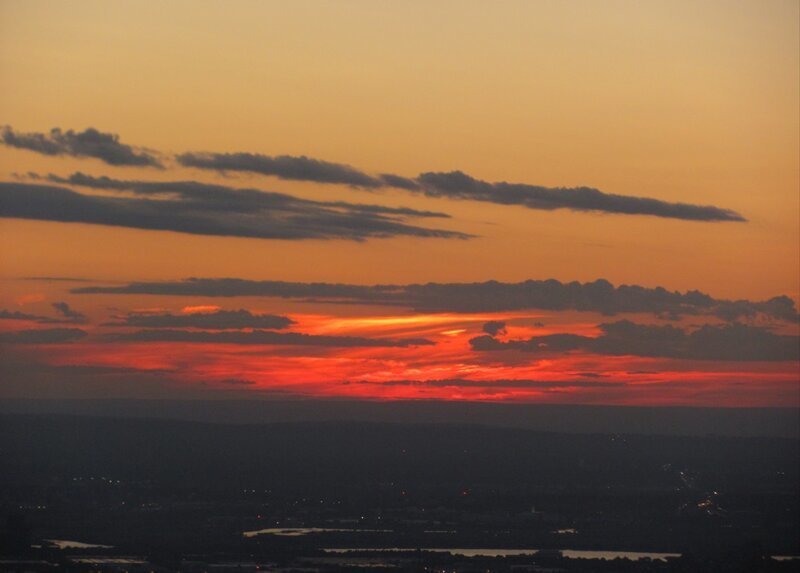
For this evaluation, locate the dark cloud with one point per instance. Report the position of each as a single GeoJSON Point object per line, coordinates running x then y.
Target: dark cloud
{"type": "Point", "coordinates": [87, 143]}
{"type": "Point", "coordinates": [494, 327]}
{"type": "Point", "coordinates": [223, 197]}
{"type": "Point", "coordinates": [508, 383]}
{"type": "Point", "coordinates": [264, 337]}
{"type": "Point", "coordinates": [449, 185]}
{"type": "Point", "coordinates": [43, 336]}
{"type": "Point", "coordinates": [491, 296]}
{"type": "Point", "coordinates": [16, 315]}
{"type": "Point", "coordinates": [458, 185]}
{"type": "Point", "coordinates": [230, 287]}
{"type": "Point", "coordinates": [780, 307]}
{"type": "Point", "coordinates": [624, 338]}
{"type": "Point", "coordinates": [69, 313]}
{"type": "Point", "coordinates": [25, 374]}
{"type": "Point", "coordinates": [298, 168]}
{"type": "Point", "coordinates": [195, 208]}
{"type": "Point", "coordinates": [94, 370]}
{"type": "Point", "coordinates": [399, 182]}
{"type": "Point", "coordinates": [219, 320]}
{"type": "Point", "coordinates": [235, 382]}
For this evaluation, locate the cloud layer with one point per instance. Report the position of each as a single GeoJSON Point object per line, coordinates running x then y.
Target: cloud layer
{"type": "Point", "coordinates": [218, 320]}
{"type": "Point", "coordinates": [223, 197]}
{"type": "Point", "coordinates": [491, 296]}
{"type": "Point", "coordinates": [16, 315]}
{"type": "Point", "coordinates": [458, 185]}
{"type": "Point", "coordinates": [298, 168]}
{"type": "Point", "coordinates": [68, 315]}
{"type": "Point", "coordinates": [200, 209]}
{"type": "Point", "coordinates": [737, 342]}
{"type": "Point", "coordinates": [88, 143]}
{"type": "Point", "coordinates": [496, 384]}
{"type": "Point", "coordinates": [264, 337]}
{"type": "Point", "coordinates": [448, 185]}
{"type": "Point", "coordinates": [494, 327]}
{"type": "Point", "coordinates": [42, 336]}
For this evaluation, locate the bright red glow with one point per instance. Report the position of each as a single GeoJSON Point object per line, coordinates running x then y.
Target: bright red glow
{"type": "Point", "coordinates": [447, 370]}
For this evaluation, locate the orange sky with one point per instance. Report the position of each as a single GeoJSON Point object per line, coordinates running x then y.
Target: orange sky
{"type": "Point", "coordinates": [684, 102]}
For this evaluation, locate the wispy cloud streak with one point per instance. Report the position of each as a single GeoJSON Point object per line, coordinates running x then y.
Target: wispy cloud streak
{"type": "Point", "coordinates": [501, 383]}
{"type": "Point", "coordinates": [448, 185]}
{"type": "Point", "coordinates": [87, 143]}
{"type": "Point", "coordinates": [199, 209]}
{"type": "Point", "coordinates": [458, 185]}
{"type": "Point", "coordinates": [730, 342]}
{"type": "Point", "coordinates": [491, 296]}
{"type": "Point", "coordinates": [42, 336]}
{"type": "Point", "coordinates": [68, 315]}
{"type": "Point", "coordinates": [263, 337]}
{"type": "Point", "coordinates": [219, 320]}
{"type": "Point", "coordinates": [298, 168]}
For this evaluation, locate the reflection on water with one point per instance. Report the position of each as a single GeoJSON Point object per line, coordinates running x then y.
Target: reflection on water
{"type": "Point", "coordinates": [300, 531]}
{"type": "Point", "coordinates": [632, 555]}
{"type": "Point", "coordinates": [67, 544]}
{"type": "Point", "coordinates": [570, 553]}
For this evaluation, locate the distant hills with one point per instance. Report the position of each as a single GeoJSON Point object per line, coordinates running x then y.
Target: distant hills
{"type": "Point", "coordinates": [668, 421]}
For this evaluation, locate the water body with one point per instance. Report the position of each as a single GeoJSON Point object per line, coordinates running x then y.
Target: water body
{"type": "Point", "coordinates": [569, 553]}
{"type": "Point", "coordinates": [300, 531]}
{"type": "Point", "coordinates": [67, 544]}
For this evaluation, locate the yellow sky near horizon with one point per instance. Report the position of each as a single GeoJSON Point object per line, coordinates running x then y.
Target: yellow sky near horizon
{"type": "Point", "coordinates": [691, 102]}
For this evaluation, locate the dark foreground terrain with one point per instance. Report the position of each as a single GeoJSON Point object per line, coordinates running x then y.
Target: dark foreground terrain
{"type": "Point", "coordinates": [190, 496]}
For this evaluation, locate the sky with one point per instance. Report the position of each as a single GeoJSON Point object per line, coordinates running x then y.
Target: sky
{"type": "Point", "coordinates": [545, 202]}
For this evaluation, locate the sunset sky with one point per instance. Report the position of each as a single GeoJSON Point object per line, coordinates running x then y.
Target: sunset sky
{"type": "Point", "coordinates": [551, 202]}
